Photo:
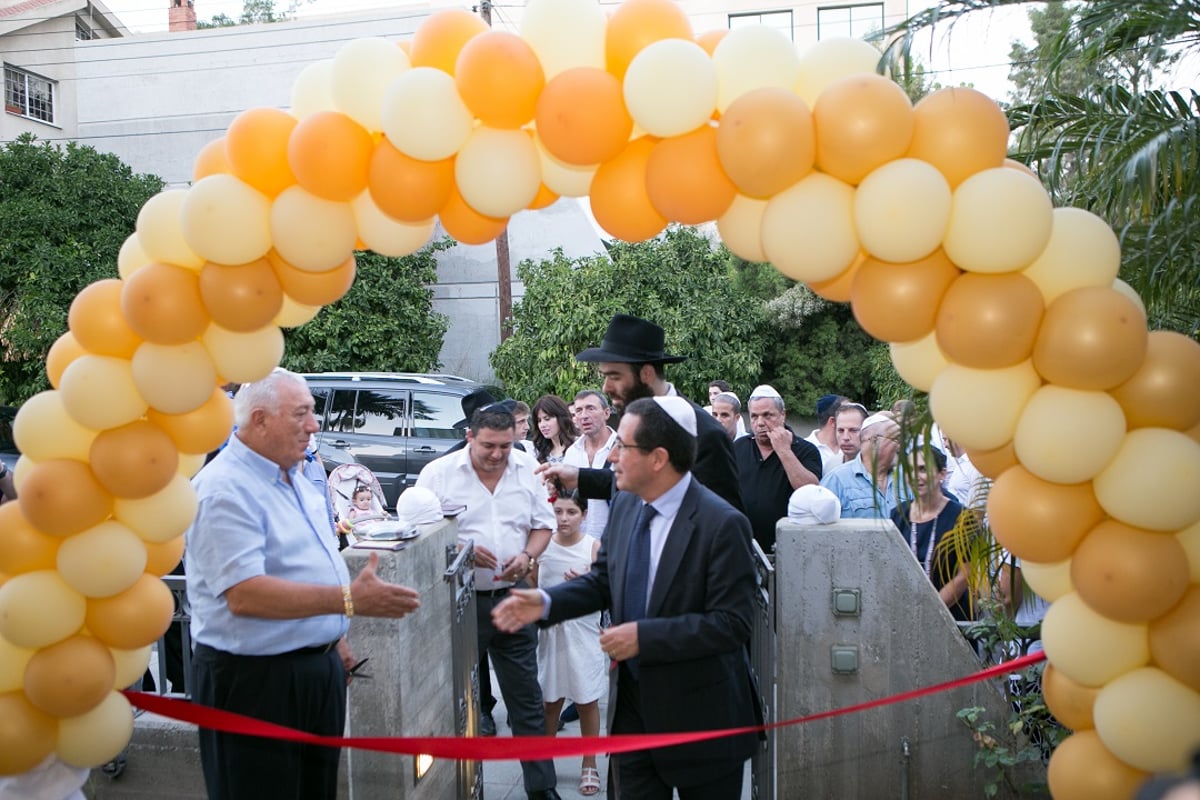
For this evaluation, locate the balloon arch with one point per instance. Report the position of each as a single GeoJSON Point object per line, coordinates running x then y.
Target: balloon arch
{"type": "Point", "coordinates": [1006, 310]}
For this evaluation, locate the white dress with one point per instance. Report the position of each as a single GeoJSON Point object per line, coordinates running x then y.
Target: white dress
{"type": "Point", "coordinates": [570, 661]}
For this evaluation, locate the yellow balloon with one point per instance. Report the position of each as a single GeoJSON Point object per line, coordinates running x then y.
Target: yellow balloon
{"type": "Point", "coordinates": [387, 236]}
{"type": "Point", "coordinates": [565, 180]}
{"type": "Point", "coordinates": [294, 314]}
{"type": "Point", "coordinates": [1068, 435]}
{"type": "Point", "coordinates": [979, 408]}
{"type": "Point", "coordinates": [312, 91]}
{"type": "Point", "coordinates": [919, 362]}
{"type": "Point", "coordinates": [1048, 581]}
{"type": "Point", "coordinates": [1190, 539]}
{"type": "Point", "coordinates": [901, 210]}
{"type": "Point", "coordinates": [565, 34]}
{"type": "Point", "coordinates": [752, 58]}
{"type": "Point", "coordinates": [1000, 221]}
{"type": "Point", "coordinates": [1149, 720]}
{"type": "Point", "coordinates": [1127, 290]}
{"type": "Point", "coordinates": [226, 221]}
{"type": "Point", "coordinates": [129, 665]}
{"type": "Point", "coordinates": [160, 232]}
{"type": "Point", "coordinates": [161, 516]}
{"type": "Point", "coordinates": [808, 230]}
{"type": "Point", "coordinates": [831, 60]}
{"type": "Point", "coordinates": [1151, 482]}
{"type": "Point", "coordinates": [1082, 251]}
{"type": "Point", "coordinates": [1082, 768]}
{"type": "Point", "coordinates": [741, 228]}
{"type": "Point", "coordinates": [174, 379]}
{"type": "Point", "coordinates": [26, 734]}
{"type": "Point", "coordinates": [424, 116]}
{"type": "Point", "coordinates": [102, 561]}
{"type": "Point", "coordinates": [44, 430]}
{"type": "Point", "coordinates": [312, 234]}
{"type": "Point", "coordinates": [1088, 648]}
{"type": "Point", "coordinates": [362, 71]}
{"type": "Point", "coordinates": [497, 171]}
{"type": "Point", "coordinates": [39, 608]}
{"type": "Point", "coordinates": [96, 737]}
{"type": "Point", "coordinates": [131, 257]}
{"type": "Point", "coordinates": [190, 464]}
{"type": "Point", "coordinates": [671, 87]}
{"type": "Point", "coordinates": [99, 393]}
{"type": "Point", "coordinates": [244, 357]}
{"type": "Point", "coordinates": [12, 665]}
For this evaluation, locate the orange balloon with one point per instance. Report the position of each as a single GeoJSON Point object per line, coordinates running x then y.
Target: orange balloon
{"type": "Point", "coordinates": [619, 198]}
{"type": "Point", "coordinates": [163, 557]}
{"type": "Point", "coordinates": [70, 677]}
{"type": "Point", "coordinates": [23, 548]}
{"type": "Point", "coordinates": [329, 152]}
{"type": "Point", "coordinates": [862, 122]}
{"type": "Point", "coordinates": [1091, 338]}
{"type": "Point", "coordinates": [134, 460]}
{"type": "Point", "coordinates": [256, 146]}
{"type": "Point", "coordinates": [1162, 393]}
{"type": "Point", "coordinates": [839, 289]}
{"type": "Point", "coordinates": [1041, 521]}
{"type": "Point", "coordinates": [766, 141]}
{"type": "Point", "coordinates": [96, 321]}
{"type": "Point", "coordinates": [544, 198]}
{"type": "Point", "coordinates": [61, 497]}
{"type": "Point", "coordinates": [581, 117]}
{"type": "Point", "coordinates": [243, 297]}
{"type": "Point", "coordinates": [1069, 702]}
{"type": "Point", "coordinates": [440, 38]}
{"type": "Point", "coordinates": [163, 305]}
{"type": "Point", "coordinates": [405, 188]}
{"type": "Point", "coordinates": [1129, 574]}
{"type": "Point", "coordinates": [636, 24]}
{"type": "Point", "coordinates": [684, 178]}
{"type": "Point", "coordinates": [1082, 768]}
{"type": "Point", "coordinates": [1174, 645]}
{"type": "Point", "coordinates": [499, 78]}
{"type": "Point", "coordinates": [201, 430]}
{"type": "Point", "coordinates": [989, 321]}
{"type": "Point", "coordinates": [27, 734]}
{"type": "Point", "coordinates": [467, 225]}
{"type": "Point", "coordinates": [960, 131]}
{"type": "Point", "coordinates": [134, 618]}
{"type": "Point", "coordinates": [313, 288]}
{"type": "Point", "coordinates": [66, 348]}
{"type": "Point", "coordinates": [993, 463]}
{"type": "Point", "coordinates": [899, 302]}
{"type": "Point", "coordinates": [710, 39]}
{"type": "Point", "coordinates": [211, 160]}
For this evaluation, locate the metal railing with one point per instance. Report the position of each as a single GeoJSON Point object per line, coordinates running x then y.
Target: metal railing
{"type": "Point", "coordinates": [464, 652]}
{"type": "Point", "coordinates": [175, 645]}
{"type": "Point", "coordinates": [762, 661]}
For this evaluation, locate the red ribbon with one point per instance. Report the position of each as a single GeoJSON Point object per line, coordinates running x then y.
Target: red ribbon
{"type": "Point", "coordinates": [525, 748]}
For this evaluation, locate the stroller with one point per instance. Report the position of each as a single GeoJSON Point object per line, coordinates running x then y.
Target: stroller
{"type": "Point", "coordinates": [347, 479]}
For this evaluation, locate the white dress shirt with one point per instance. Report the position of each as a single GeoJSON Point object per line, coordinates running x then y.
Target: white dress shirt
{"type": "Point", "coordinates": [576, 456]}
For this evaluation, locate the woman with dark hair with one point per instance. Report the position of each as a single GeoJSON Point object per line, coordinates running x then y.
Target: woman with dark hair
{"type": "Point", "coordinates": [554, 430]}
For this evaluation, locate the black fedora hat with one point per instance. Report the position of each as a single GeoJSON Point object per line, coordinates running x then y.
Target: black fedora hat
{"type": "Point", "coordinates": [631, 340]}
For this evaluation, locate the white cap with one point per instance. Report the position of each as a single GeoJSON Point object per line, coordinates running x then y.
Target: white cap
{"type": "Point", "coordinates": [875, 419]}
{"type": "Point", "coordinates": [419, 506]}
{"type": "Point", "coordinates": [727, 394]}
{"type": "Point", "coordinates": [764, 391]}
{"type": "Point", "coordinates": [814, 503]}
{"type": "Point", "coordinates": [679, 410]}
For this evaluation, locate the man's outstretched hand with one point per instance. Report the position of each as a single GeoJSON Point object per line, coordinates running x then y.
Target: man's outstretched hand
{"type": "Point", "coordinates": [375, 597]}
{"type": "Point", "coordinates": [520, 608]}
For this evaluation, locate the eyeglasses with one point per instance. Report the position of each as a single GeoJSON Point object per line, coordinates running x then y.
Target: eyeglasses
{"type": "Point", "coordinates": [618, 446]}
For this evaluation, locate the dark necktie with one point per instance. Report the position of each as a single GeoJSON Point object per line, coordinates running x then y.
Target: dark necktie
{"type": "Point", "coordinates": [637, 572]}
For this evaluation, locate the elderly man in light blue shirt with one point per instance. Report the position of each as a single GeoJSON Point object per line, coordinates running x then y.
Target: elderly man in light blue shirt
{"type": "Point", "coordinates": [866, 486]}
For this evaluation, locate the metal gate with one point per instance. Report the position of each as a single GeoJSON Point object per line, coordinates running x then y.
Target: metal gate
{"type": "Point", "coordinates": [460, 575]}
{"type": "Point", "coordinates": [762, 661]}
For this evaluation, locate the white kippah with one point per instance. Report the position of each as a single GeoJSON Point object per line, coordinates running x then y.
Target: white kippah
{"type": "Point", "coordinates": [725, 394]}
{"type": "Point", "coordinates": [764, 391]}
{"type": "Point", "coordinates": [679, 410]}
{"type": "Point", "coordinates": [814, 503]}
{"type": "Point", "coordinates": [875, 419]}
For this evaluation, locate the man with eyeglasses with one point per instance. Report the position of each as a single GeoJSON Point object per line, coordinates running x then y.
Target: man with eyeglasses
{"type": "Point", "coordinates": [866, 486]}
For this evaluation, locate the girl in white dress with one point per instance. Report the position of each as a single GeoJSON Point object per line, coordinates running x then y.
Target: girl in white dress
{"type": "Point", "coordinates": [570, 661]}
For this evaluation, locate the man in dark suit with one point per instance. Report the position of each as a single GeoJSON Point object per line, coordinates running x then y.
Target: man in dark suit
{"type": "Point", "coordinates": [630, 360]}
{"type": "Point", "coordinates": [676, 571]}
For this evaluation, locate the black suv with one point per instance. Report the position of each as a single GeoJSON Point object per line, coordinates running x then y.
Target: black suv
{"type": "Point", "coordinates": [393, 423]}
{"type": "Point", "coordinates": [8, 448]}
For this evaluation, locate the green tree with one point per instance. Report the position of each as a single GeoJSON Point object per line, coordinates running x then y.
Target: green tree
{"type": "Point", "coordinates": [681, 281]}
{"type": "Point", "coordinates": [385, 323]}
{"type": "Point", "coordinates": [64, 213]}
{"type": "Point", "coordinates": [253, 12]}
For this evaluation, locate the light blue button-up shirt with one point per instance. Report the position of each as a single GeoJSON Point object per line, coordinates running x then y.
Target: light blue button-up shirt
{"type": "Point", "coordinates": [860, 496]}
{"type": "Point", "coordinates": [250, 522]}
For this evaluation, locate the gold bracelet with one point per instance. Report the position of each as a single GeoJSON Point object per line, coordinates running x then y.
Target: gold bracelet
{"type": "Point", "coordinates": [347, 601]}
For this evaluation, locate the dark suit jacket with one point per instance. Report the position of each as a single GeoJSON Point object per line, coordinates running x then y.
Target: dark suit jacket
{"type": "Point", "coordinates": [715, 466]}
{"type": "Point", "coordinates": [694, 673]}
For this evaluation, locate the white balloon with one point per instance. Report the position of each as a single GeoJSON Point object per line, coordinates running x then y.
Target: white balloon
{"type": "Point", "coordinates": [754, 57]}
{"type": "Point", "coordinates": [565, 33]}
{"type": "Point", "coordinates": [362, 71]}
{"type": "Point", "coordinates": [671, 87]}
{"type": "Point", "coordinates": [423, 115]}
{"type": "Point", "coordinates": [387, 236]}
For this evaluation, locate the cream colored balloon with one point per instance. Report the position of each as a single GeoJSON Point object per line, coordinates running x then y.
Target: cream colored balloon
{"type": "Point", "coordinates": [565, 180]}
{"type": "Point", "coordinates": [294, 314]}
{"type": "Point", "coordinates": [808, 230]}
{"type": "Point", "coordinates": [1082, 251]}
{"type": "Point", "coordinates": [1152, 481]}
{"type": "Point", "coordinates": [190, 464]}
{"type": "Point", "coordinates": [565, 33]}
{"type": "Point", "coordinates": [671, 87]}
{"type": "Point", "coordinates": [1149, 720]}
{"type": "Point", "coordinates": [901, 210]}
{"type": "Point", "coordinates": [44, 430]}
{"type": "Point", "coordinates": [226, 221]}
{"type": "Point", "coordinates": [130, 665]}
{"type": "Point", "coordinates": [979, 408]}
{"type": "Point", "coordinates": [174, 379]}
{"type": "Point", "coordinates": [160, 230]}
{"type": "Point", "coordinates": [312, 91]}
{"type": "Point", "coordinates": [424, 116]}
{"type": "Point", "coordinates": [1088, 648]}
{"type": "Point", "coordinates": [312, 234]}
{"type": "Point", "coordinates": [741, 228]}
{"type": "Point", "coordinates": [39, 608]}
{"type": "Point", "coordinates": [244, 357]}
{"type": "Point", "coordinates": [497, 171]}
{"type": "Point", "coordinates": [24, 465]}
{"type": "Point", "coordinates": [362, 72]}
{"type": "Point", "coordinates": [387, 236]}
{"type": "Point", "coordinates": [919, 362]}
{"type": "Point", "coordinates": [1000, 221]}
{"type": "Point", "coordinates": [1048, 581]}
{"type": "Point", "coordinates": [102, 561]}
{"type": "Point", "coordinates": [131, 257]}
{"type": "Point", "coordinates": [163, 515]}
{"type": "Point", "coordinates": [1190, 539]}
{"type": "Point", "coordinates": [96, 737]}
{"type": "Point", "coordinates": [1127, 290]}
{"type": "Point", "coordinates": [754, 57]}
{"type": "Point", "coordinates": [12, 665]}
{"type": "Point", "coordinates": [1069, 435]}
{"type": "Point", "coordinates": [831, 60]}
{"type": "Point", "coordinates": [99, 392]}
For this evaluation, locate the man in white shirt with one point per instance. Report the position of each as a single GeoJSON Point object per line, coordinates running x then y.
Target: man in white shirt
{"type": "Point", "coordinates": [591, 451]}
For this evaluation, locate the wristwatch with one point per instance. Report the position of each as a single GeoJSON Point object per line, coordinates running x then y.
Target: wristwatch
{"type": "Point", "coordinates": [532, 560]}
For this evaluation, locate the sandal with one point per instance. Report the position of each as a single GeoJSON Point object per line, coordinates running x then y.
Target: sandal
{"type": "Point", "coordinates": [589, 782]}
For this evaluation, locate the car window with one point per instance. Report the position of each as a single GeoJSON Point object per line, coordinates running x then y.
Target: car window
{"type": "Point", "coordinates": [339, 416]}
{"type": "Point", "coordinates": [438, 416]}
{"type": "Point", "coordinates": [7, 445]}
{"type": "Point", "coordinates": [381, 413]}
{"type": "Point", "coordinates": [320, 404]}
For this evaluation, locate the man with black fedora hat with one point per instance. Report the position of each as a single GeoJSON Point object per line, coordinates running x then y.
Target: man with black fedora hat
{"type": "Point", "coordinates": [630, 359]}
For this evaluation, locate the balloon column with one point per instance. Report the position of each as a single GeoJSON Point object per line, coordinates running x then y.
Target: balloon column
{"type": "Point", "coordinates": [1006, 310]}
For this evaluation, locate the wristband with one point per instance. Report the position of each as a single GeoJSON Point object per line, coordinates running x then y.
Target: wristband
{"type": "Point", "coordinates": [347, 601]}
